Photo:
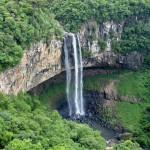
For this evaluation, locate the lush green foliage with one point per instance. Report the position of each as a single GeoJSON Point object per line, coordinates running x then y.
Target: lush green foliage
{"type": "Point", "coordinates": [73, 13]}
{"type": "Point", "coordinates": [135, 84]}
{"type": "Point", "coordinates": [127, 145]}
{"type": "Point", "coordinates": [86, 53]}
{"type": "Point", "coordinates": [135, 37]}
{"type": "Point", "coordinates": [131, 114]}
{"type": "Point", "coordinates": [25, 22]}
{"type": "Point", "coordinates": [21, 24]}
{"type": "Point", "coordinates": [135, 116]}
{"type": "Point", "coordinates": [25, 123]}
{"type": "Point", "coordinates": [136, 28]}
{"type": "Point", "coordinates": [53, 95]}
{"type": "Point", "coordinates": [143, 137]}
{"type": "Point", "coordinates": [102, 43]}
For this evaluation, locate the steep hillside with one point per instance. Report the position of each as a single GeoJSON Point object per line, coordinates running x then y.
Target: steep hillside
{"type": "Point", "coordinates": [25, 123]}
{"type": "Point", "coordinates": [131, 17]}
{"type": "Point", "coordinates": [23, 23]}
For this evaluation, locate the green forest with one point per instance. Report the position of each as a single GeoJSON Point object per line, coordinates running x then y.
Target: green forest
{"type": "Point", "coordinates": [25, 22]}
{"type": "Point", "coordinates": [27, 122]}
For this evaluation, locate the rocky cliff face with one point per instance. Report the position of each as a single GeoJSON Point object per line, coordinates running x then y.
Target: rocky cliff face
{"type": "Point", "coordinates": [102, 54]}
{"type": "Point", "coordinates": [38, 64]}
{"type": "Point", "coordinates": [44, 61]}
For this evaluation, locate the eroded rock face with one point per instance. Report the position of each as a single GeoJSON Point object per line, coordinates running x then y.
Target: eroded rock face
{"type": "Point", "coordinates": [91, 33]}
{"type": "Point", "coordinates": [38, 64]}
{"type": "Point", "coordinates": [111, 94]}
{"type": "Point", "coordinates": [44, 61]}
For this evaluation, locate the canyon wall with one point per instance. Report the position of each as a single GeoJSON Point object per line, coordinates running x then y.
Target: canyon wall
{"type": "Point", "coordinates": [90, 36]}
{"type": "Point", "coordinates": [38, 64]}
{"type": "Point", "coordinates": [43, 61]}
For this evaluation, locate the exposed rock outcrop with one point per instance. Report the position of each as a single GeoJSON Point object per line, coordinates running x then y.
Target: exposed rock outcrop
{"type": "Point", "coordinates": [91, 33]}
{"type": "Point", "coordinates": [38, 64]}
{"type": "Point", "coordinates": [44, 61]}
{"type": "Point", "coordinates": [110, 93]}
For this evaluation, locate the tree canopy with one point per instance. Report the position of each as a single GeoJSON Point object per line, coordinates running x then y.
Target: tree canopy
{"type": "Point", "coordinates": [21, 24]}
{"type": "Point", "coordinates": [25, 123]}
{"type": "Point", "coordinates": [29, 21]}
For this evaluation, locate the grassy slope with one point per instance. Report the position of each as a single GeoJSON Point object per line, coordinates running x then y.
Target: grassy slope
{"type": "Point", "coordinates": [53, 95]}
{"type": "Point", "coordinates": [97, 82]}
{"type": "Point", "coordinates": [134, 84]}
{"type": "Point", "coordinates": [130, 114]}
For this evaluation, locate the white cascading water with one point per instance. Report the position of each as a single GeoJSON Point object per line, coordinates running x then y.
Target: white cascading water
{"type": "Point", "coordinates": [76, 61]}
{"type": "Point", "coordinates": [68, 76]}
{"type": "Point", "coordinates": [81, 79]}
{"type": "Point", "coordinates": [75, 99]}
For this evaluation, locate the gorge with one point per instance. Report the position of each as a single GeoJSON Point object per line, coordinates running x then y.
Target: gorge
{"type": "Point", "coordinates": [45, 60]}
{"type": "Point", "coordinates": [74, 74]}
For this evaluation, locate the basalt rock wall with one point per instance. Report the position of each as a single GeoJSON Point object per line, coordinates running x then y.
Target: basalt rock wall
{"type": "Point", "coordinates": [38, 64]}
{"type": "Point", "coordinates": [43, 61]}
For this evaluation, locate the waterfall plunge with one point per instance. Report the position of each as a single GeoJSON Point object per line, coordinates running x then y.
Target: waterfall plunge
{"type": "Point", "coordinates": [81, 80]}
{"type": "Point", "coordinates": [68, 76]}
{"type": "Point", "coordinates": [74, 92]}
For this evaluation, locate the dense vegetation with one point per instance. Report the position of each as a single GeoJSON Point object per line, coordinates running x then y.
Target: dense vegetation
{"type": "Point", "coordinates": [25, 123]}
{"type": "Point", "coordinates": [127, 145]}
{"type": "Point", "coordinates": [135, 84]}
{"type": "Point", "coordinates": [135, 36]}
{"type": "Point", "coordinates": [25, 22]}
{"type": "Point", "coordinates": [135, 116]}
{"type": "Point", "coordinates": [133, 15]}
{"type": "Point", "coordinates": [21, 24]}
{"type": "Point", "coordinates": [72, 14]}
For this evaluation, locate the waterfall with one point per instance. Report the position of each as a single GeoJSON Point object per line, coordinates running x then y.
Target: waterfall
{"type": "Point", "coordinates": [81, 80]}
{"type": "Point", "coordinates": [68, 77]}
{"type": "Point", "coordinates": [74, 92]}
{"type": "Point", "coordinates": [76, 62]}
